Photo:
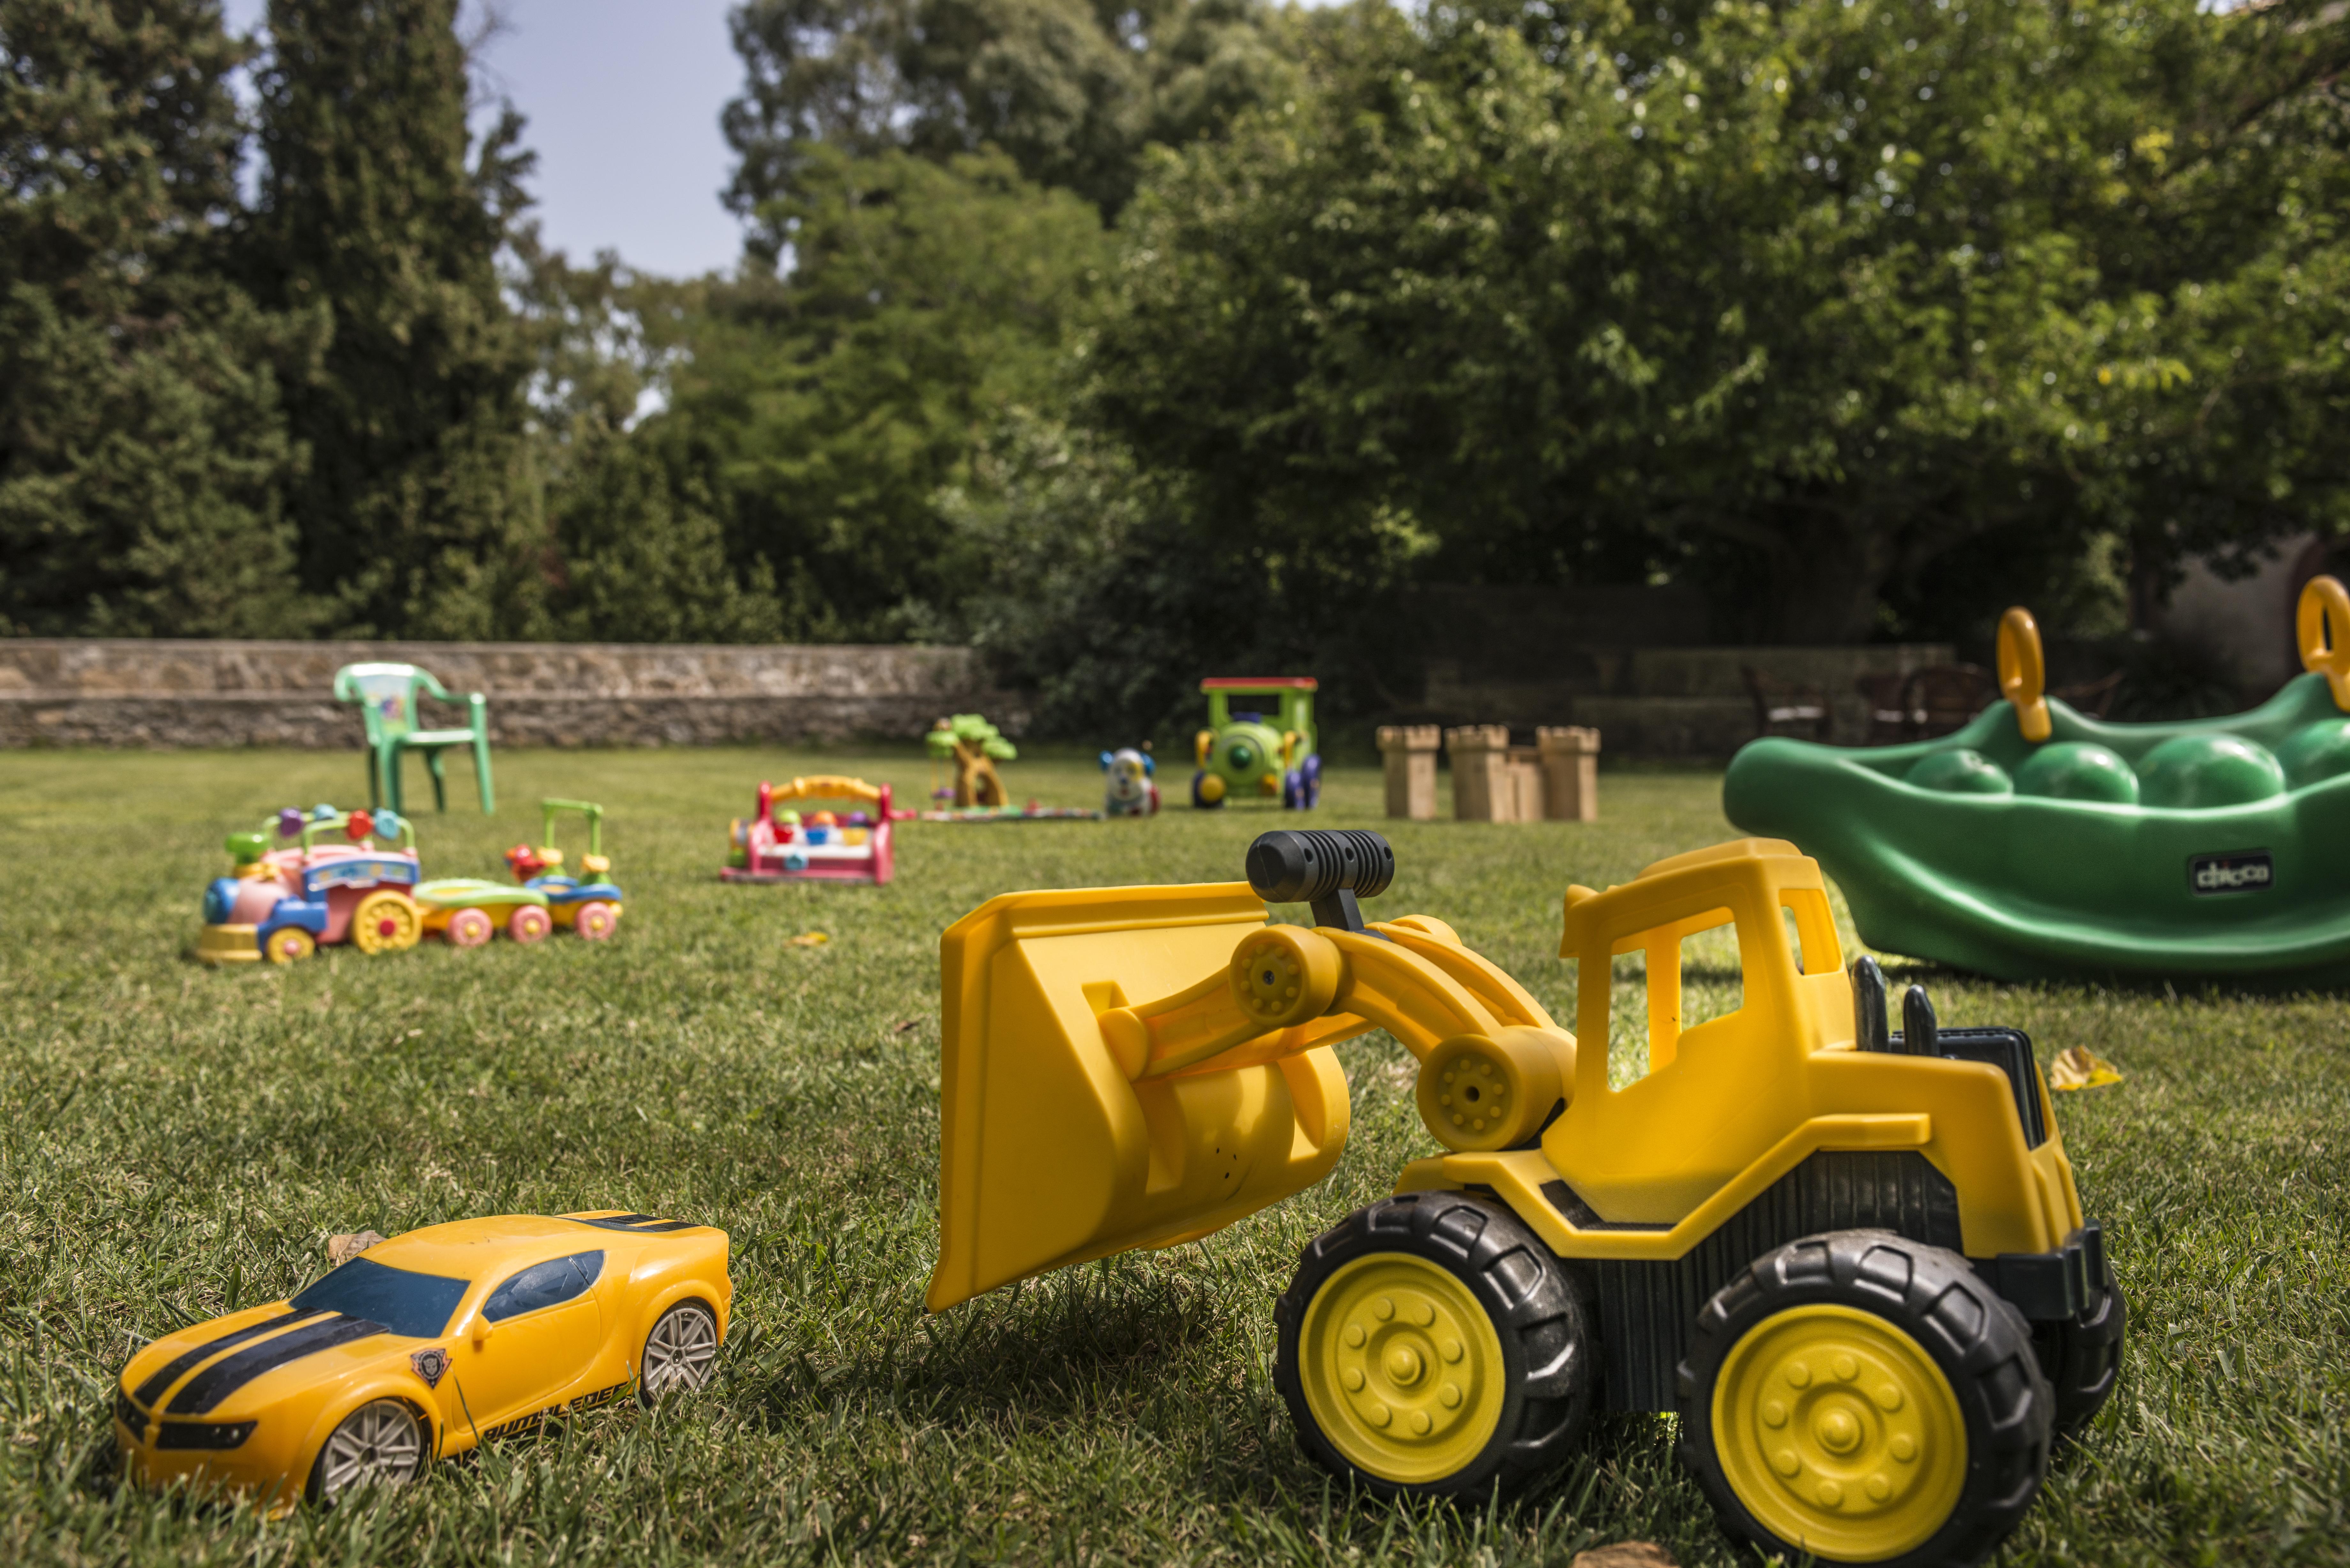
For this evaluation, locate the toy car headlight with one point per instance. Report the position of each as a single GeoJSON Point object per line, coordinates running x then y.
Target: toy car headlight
{"type": "Point", "coordinates": [1241, 757]}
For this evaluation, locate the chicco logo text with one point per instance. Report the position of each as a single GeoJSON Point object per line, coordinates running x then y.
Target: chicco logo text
{"type": "Point", "coordinates": [2247, 871]}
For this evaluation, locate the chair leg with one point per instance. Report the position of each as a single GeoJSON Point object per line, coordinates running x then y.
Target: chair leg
{"type": "Point", "coordinates": [440, 780]}
{"type": "Point", "coordinates": [481, 774]}
{"type": "Point", "coordinates": [375, 779]}
{"type": "Point", "coordinates": [387, 763]}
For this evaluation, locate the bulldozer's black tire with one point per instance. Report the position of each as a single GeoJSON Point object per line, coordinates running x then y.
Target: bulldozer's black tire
{"type": "Point", "coordinates": [1541, 1314]}
{"type": "Point", "coordinates": [1977, 1340]}
{"type": "Point", "coordinates": [2082, 1359]}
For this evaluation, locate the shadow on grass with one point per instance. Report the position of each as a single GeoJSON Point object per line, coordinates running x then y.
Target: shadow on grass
{"type": "Point", "coordinates": [1906, 971]}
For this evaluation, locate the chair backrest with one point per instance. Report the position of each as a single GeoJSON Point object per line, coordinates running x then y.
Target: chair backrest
{"type": "Point", "coordinates": [1942, 697]}
{"type": "Point", "coordinates": [386, 694]}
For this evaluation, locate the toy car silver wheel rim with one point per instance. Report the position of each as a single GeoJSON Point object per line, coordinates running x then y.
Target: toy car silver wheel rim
{"type": "Point", "coordinates": [382, 1442]}
{"type": "Point", "coordinates": [680, 1352]}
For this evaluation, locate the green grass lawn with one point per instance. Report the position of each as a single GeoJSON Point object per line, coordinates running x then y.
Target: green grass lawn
{"type": "Point", "coordinates": [179, 1142]}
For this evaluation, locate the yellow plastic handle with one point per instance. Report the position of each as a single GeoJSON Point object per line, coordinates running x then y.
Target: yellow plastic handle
{"type": "Point", "coordinates": [2321, 627]}
{"type": "Point", "coordinates": [1201, 744]}
{"type": "Point", "coordinates": [2023, 672]}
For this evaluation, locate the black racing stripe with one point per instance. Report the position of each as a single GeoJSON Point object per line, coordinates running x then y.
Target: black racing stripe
{"type": "Point", "coordinates": [224, 1377]}
{"type": "Point", "coordinates": [636, 1224]}
{"type": "Point", "coordinates": [154, 1388]}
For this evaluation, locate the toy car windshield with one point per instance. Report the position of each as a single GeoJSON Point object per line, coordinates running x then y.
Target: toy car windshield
{"type": "Point", "coordinates": [414, 1305]}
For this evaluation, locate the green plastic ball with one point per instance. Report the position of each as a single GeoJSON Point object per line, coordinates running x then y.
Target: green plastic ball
{"type": "Point", "coordinates": [2078, 770]}
{"type": "Point", "coordinates": [2197, 772]}
{"type": "Point", "coordinates": [1961, 771]}
{"type": "Point", "coordinates": [2316, 753]}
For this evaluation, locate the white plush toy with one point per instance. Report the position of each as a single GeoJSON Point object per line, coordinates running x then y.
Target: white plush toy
{"type": "Point", "coordinates": [1128, 786]}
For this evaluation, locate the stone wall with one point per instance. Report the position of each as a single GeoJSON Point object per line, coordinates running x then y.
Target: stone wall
{"type": "Point", "coordinates": [165, 693]}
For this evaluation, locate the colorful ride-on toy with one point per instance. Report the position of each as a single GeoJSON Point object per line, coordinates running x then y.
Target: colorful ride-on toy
{"type": "Point", "coordinates": [2038, 843]}
{"type": "Point", "coordinates": [283, 904]}
{"type": "Point", "coordinates": [1241, 755]}
{"type": "Point", "coordinates": [469, 910]}
{"type": "Point", "coordinates": [816, 847]}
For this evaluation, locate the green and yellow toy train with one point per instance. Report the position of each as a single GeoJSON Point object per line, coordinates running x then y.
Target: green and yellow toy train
{"type": "Point", "coordinates": [1246, 753]}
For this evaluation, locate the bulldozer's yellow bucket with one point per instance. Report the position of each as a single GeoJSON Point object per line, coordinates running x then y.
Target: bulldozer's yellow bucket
{"type": "Point", "coordinates": [1050, 1153]}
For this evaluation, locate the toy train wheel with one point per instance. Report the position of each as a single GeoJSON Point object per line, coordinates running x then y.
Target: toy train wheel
{"type": "Point", "coordinates": [386, 922]}
{"type": "Point", "coordinates": [594, 920]}
{"type": "Point", "coordinates": [290, 945]}
{"type": "Point", "coordinates": [469, 928]}
{"type": "Point", "coordinates": [680, 1353]}
{"type": "Point", "coordinates": [1860, 1397]}
{"type": "Point", "coordinates": [2081, 1358]}
{"type": "Point", "coordinates": [528, 923]}
{"type": "Point", "coordinates": [1431, 1345]}
{"type": "Point", "coordinates": [381, 1443]}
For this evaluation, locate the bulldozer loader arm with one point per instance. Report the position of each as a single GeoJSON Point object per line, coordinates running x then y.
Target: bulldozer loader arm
{"type": "Point", "coordinates": [1055, 1149]}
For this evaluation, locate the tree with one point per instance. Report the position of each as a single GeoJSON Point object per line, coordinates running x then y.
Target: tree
{"type": "Point", "coordinates": [1071, 90]}
{"type": "Point", "coordinates": [829, 403]}
{"type": "Point", "coordinates": [143, 441]}
{"type": "Point", "coordinates": [635, 551]}
{"type": "Point", "coordinates": [1799, 301]}
{"type": "Point", "coordinates": [415, 510]}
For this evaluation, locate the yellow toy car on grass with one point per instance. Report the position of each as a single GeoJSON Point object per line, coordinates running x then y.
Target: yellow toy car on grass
{"type": "Point", "coordinates": [425, 1345]}
{"type": "Point", "coordinates": [1852, 1259]}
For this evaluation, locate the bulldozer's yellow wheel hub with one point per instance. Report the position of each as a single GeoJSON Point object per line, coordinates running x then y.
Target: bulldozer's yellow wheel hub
{"type": "Point", "coordinates": [1402, 1369]}
{"type": "Point", "coordinates": [384, 923]}
{"type": "Point", "coordinates": [1839, 1434]}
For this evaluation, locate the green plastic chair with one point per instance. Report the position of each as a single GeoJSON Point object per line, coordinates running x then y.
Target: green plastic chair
{"type": "Point", "coordinates": [386, 694]}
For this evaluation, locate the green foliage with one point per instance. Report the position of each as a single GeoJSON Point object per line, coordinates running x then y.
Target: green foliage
{"type": "Point", "coordinates": [1795, 300]}
{"type": "Point", "coordinates": [830, 402]}
{"type": "Point", "coordinates": [144, 453]}
{"type": "Point", "coordinates": [1109, 589]}
{"type": "Point", "coordinates": [634, 551]}
{"type": "Point", "coordinates": [970, 730]}
{"type": "Point", "coordinates": [1072, 91]}
{"type": "Point", "coordinates": [416, 515]}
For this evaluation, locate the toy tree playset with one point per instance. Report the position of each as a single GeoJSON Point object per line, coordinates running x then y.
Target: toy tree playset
{"type": "Point", "coordinates": [1243, 755]}
{"type": "Point", "coordinates": [1851, 1258]}
{"type": "Point", "coordinates": [1129, 783]}
{"type": "Point", "coordinates": [820, 845]}
{"type": "Point", "coordinates": [424, 1346]}
{"type": "Point", "coordinates": [2039, 843]}
{"type": "Point", "coordinates": [328, 881]}
{"type": "Point", "coordinates": [542, 898]}
{"type": "Point", "coordinates": [973, 746]}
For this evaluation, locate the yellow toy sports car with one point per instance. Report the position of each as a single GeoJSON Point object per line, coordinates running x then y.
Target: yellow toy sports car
{"type": "Point", "coordinates": [428, 1345]}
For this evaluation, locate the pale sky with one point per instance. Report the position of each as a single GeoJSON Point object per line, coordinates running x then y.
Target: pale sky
{"type": "Point", "coordinates": [623, 99]}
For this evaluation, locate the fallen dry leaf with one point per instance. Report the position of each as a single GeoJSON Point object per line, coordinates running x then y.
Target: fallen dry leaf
{"type": "Point", "coordinates": [1625, 1554]}
{"type": "Point", "coordinates": [907, 1027]}
{"type": "Point", "coordinates": [810, 940]}
{"type": "Point", "coordinates": [2079, 1067]}
{"type": "Point", "coordinates": [341, 1250]}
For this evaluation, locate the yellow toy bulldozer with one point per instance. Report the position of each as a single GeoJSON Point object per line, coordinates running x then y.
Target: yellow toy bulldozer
{"type": "Point", "coordinates": [1852, 1259]}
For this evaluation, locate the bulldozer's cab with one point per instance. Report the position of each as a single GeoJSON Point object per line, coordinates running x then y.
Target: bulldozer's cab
{"type": "Point", "coordinates": [1702, 985]}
